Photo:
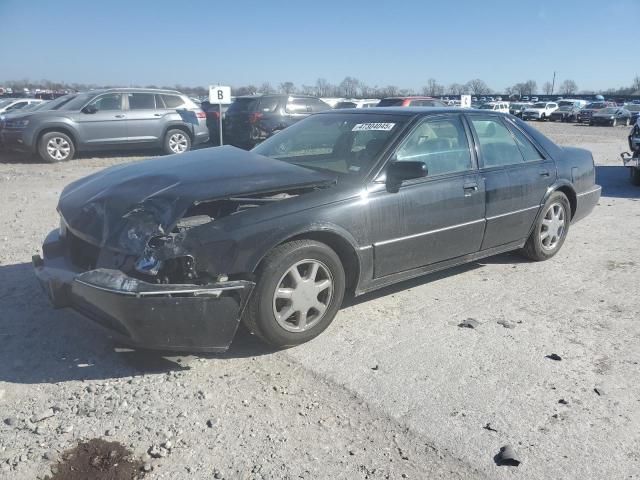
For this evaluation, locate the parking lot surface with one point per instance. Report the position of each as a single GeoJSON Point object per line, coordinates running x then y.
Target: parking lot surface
{"type": "Point", "coordinates": [393, 389]}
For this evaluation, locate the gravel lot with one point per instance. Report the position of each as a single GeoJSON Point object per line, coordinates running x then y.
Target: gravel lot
{"type": "Point", "coordinates": [393, 389]}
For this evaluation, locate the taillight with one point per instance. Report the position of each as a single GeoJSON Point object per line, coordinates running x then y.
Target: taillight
{"type": "Point", "coordinates": [201, 114]}
{"type": "Point", "coordinates": [254, 117]}
{"type": "Point", "coordinates": [214, 115]}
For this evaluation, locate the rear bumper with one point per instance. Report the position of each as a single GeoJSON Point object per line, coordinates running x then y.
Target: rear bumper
{"type": "Point", "coordinates": [140, 314]}
{"type": "Point", "coordinates": [586, 202]}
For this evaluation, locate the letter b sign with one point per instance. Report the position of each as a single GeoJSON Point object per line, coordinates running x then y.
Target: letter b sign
{"type": "Point", "coordinates": [219, 94]}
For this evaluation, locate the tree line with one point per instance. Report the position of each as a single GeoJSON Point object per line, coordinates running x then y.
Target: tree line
{"type": "Point", "coordinates": [351, 87]}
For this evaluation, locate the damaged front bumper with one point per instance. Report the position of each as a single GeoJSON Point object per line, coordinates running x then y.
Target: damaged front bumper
{"type": "Point", "coordinates": [179, 317]}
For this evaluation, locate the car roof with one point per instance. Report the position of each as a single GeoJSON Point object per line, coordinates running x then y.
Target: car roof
{"type": "Point", "coordinates": [408, 112]}
{"type": "Point", "coordinates": [412, 97]}
{"type": "Point", "coordinates": [133, 89]}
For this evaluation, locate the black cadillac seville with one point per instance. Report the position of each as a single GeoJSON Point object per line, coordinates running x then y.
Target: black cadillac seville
{"type": "Point", "coordinates": [172, 253]}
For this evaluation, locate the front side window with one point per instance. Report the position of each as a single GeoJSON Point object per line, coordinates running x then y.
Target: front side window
{"type": "Point", "coordinates": [347, 144]}
{"type": "Point", "coordinates": [298, 105]}
{"type": "Point", "coordinates": [441, 144]}
{"type": "Point", "coordinates": [108, 102]}
{"type": "Point", "coordinates": [497, 145]}
{"type": "Point", "coordinates": [141, 101]}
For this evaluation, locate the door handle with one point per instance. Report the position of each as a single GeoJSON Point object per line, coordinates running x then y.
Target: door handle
{"type": "Point", "coordinates": [544, 173]}
{"type": "Point", "coordinates": [157, 114]}
{"type": "Point", "coordinates": [469, 188]}
{"type": "Point", "coordinates": [120, 116]}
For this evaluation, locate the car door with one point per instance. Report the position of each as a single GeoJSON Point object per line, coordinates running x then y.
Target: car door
{"type": "Point", "coordinates": [434, 218]}
{"type": "Point", "coordinates": [146, 115]}
{"type": "Point", "coordinates": [102, 121]}
{"type": "Point", "coordinates": [516, 176]}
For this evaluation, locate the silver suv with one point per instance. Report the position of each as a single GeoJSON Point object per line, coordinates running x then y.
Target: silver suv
{"type": "Point", "coordinates": [109, 119]}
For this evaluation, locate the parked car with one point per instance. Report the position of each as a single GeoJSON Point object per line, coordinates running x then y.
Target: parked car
{"type": "Point", "coordinates": [565, 113]}
{"type": "Point", "coordinates": [356, 103]}
{"type": "Point", "coordinates": [502, 107]}
{"type": "Point", "coordinates": [534, 99]}
{"type": "Point", "coordinates": [611, 116]}
{"type": "Point", "coordinates": [252, 119]}
{"type": "Point", "coordinates": [109, 119]}
{"type": "Point", "coordinates": [540, 111]}
{"type": "Point", "coordinates": [632, 160]}
{"type": "Point", "coordinates": [634, 109]}
{"type": "Point", "coordinates": [518, 108]}
{"type": "Point", "coordinates": [342, 201]}
{"type": "Point", "coordinates": [11, 104]}
{"type": "Point", "coordinates": [584, 115]}
{"type": "Point", "coordinates": [411, 102]}
{"type": "Point", "coordinates": [525, 98]}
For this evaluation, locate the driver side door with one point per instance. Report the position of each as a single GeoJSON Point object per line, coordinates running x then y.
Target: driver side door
{"type": "Point", "coordinates": [107, 125]}
{"type": "Point", "coordinates": [434, 218]}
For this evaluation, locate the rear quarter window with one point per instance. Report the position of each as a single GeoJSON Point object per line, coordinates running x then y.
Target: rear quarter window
{"type": "Point", "coordinates": [173, 101]}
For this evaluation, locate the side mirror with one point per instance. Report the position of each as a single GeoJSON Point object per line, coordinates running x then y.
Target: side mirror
{"type": "Point", "coordinates": [397, 172]}
{"type": "Point", "coordinates": [89, 109]}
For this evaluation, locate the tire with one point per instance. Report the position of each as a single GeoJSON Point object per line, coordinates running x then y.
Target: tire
{"type": "Point", "coordinates": [634, 176]}
{"type": "Point", "coordinates": [275, 274]}
{"type": "Point", "coordinates": [614, 123]}
{"type": "Point", "coordinates": [543, 117]}
{"type": "Point", "coordinates": [627, 122]}
{"type": "Point", "coordinates": [176, 141]}
{"type": "Point", "coordinates": [54, 147]}
{"type": "Point", "coordinates": [556, 209]}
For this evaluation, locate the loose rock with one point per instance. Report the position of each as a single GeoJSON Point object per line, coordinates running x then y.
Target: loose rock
{"type": "Point", "coordinates": [469, 323]}
{"type": "Point", "coordinates": [506, 457]}
{"type": "Point", "coordinates": [554, 356]}
{"type": "Point", "coordinates": [38, 417]}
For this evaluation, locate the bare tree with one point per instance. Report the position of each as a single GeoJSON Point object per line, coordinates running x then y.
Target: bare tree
{"type": "Point", "coordinates": [287, 87]}
{"type": "Point", "coordinates": [265, 87]}
{"type": "Point", "coordinates": [530, 87]}
{"type": "Point", "coordinates": [323, 87]}
{"type": "Point", "coordinates": [308, 90]}
{"type": "Point", "coordinates": [478, 87]}
{"type": "Point", "coordinates": [457, 89]}
{"type": "Point", "coordinates": [432, 88]}
{"type": "Point", "coordinates": [635, 85]}
{"type": "Point", "coordinates": [547, 88]}
{"type": "Point", "coordinates": [568, 87]}
{"type": "Point", "coordinates": [389, 91]}
{"type": "Point", "coordinates": [349, 87]}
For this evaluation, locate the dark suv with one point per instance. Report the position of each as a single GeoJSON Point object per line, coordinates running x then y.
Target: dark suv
{"type": "Point", "coordinates": [252, 119]}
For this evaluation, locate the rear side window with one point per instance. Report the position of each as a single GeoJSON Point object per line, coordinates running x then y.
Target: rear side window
{"type": "Point", "coordinates": [390, 102]}
{"type": "Point", "coordinates": [497, 145]}
{"type": "Point", "coordinates": [172, 101]}
{"type": "Point", "coordinates": [318, 105]}
{"type": "Point", "coordinates": [268, 104]}
{"type": "Point", "coordinates": [298, 105]}
{"type": "Point", "coordinates": [529, 152]}
{"type": "Point", "coordinates": [141, 101]}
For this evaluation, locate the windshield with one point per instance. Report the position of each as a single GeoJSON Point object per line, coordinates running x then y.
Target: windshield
{"type": "Point", "coordinates": [347, 144]}
{"type": "Point", "coordinates": [565, 108]}
{"type": "Point", "coordinates": [633, 108]}
{"type": "Point", "coordinates": [58, 102]}
{"type": "Point", "coordinates": [241, 105]}
{"type": "Point", "coordinates": [595, 105]}
{"type": "Point", "coordinates": [4, 103]}
{"type": "Point", "coordinates": [539, 105]}
{"type": "Point", "coordinates": [486, 106]}
{"type": "Point", "coordinates": [608, 111]}
{"type": "Point", "coordinates": [78, 101]}
{"type": "Point", "coordinates": [566, 103]}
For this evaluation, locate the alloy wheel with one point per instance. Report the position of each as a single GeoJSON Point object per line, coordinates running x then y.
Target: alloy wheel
{"type": "Point", "coordinates": [58, 148]}
{"type": "Point", "coordinates": [303, 295]}
{"type": "Point", "coordinates": [553, 226]}
{"type": "Point", "coordinates": [178, 143]}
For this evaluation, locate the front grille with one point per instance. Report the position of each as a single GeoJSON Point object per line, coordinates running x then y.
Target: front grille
{"type": "Point", "coordinates": [82, 254]}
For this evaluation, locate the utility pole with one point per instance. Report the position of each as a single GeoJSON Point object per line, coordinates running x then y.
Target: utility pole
{"type": "Point", "coordinates": [553, 84]}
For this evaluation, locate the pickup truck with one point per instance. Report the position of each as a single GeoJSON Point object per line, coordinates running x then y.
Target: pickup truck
{"type": "Point", "coordinates": [632, 160]}
{"type": "Point", "coordinates": [540, 111]}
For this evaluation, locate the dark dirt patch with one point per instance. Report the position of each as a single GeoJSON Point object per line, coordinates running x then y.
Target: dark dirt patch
{"type": "Point", "coordinates": [97, 459]}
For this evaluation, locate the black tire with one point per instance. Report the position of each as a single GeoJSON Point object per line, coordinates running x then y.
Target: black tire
{"type": "Point", "coordinates": [627, 122]}
{"type": "Point", "coordinates": [534, 248]}
{"type": "Point", "coordinates": [176, 141]}
{"type": "Point", "coordinates": [634, 176]}
{"type": "Point", "coordinates": [614, 123]}
{"type": "Point", "coordinates": [54, 147]}
{"type": "Point", "coordinates": [260, 314]}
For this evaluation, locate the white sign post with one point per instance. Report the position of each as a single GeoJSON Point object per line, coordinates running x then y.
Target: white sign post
{"type": "Point", "coordinates": [222, 96]}
{"type": "Point", "coordinates": [465, 101]}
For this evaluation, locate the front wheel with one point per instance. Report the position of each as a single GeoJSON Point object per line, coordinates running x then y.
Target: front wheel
{"type": "Point", "coordinates": [299, 289]}
{"type": "Point", "coordinates": [627, 122]}
{"type": "Point", "coordinates": [55, 147]}
{"type": "Point", "coordinates": [614, 123]}
{"type": "Point", "coordinates": [176, 141]}
{"type": "Point", "coordinates": [550, 230]}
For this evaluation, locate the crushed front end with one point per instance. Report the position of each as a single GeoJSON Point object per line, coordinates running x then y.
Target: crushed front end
{"type": "Point", "coordinates": [140, 309]}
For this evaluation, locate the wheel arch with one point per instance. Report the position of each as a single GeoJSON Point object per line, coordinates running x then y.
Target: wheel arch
{"type": "Point", "coordinates": [57, 128]}
{"type": "Point", "coordinates": [177, 126]}
{"type": "Point", "coordinates": [570, 193]}
{"type": "Point", "coordinates": [344, 247]}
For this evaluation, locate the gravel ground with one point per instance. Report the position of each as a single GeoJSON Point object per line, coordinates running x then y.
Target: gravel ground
{"type": "Point", "coordinates": [393, 389]}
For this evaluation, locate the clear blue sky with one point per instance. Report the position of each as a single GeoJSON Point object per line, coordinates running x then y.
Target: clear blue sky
{"type": "Point", "coordinates": [400, 43]}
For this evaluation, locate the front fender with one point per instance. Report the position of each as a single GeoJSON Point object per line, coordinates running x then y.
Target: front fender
{"type": "Point", "coordinates": [61, 124]}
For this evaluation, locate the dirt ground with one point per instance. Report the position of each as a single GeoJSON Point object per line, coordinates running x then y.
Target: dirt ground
{"type": "Point", "coordinates": [393, 389]}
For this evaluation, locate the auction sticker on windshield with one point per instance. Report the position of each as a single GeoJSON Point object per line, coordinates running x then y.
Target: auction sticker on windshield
{"type": "Point", "coordinates": [361, 127]}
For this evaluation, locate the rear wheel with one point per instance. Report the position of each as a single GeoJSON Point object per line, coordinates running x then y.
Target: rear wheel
{"type": "Point", "coordinates": [55, 147]}
{"type": "Point", "coordinates": [550, 230]}
{"type": "Point", "coordinates": [176, 141]}
{"type": "Point", "coordinates": [299, 289]}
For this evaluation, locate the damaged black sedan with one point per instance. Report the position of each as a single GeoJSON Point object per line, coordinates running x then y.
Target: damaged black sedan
{"type": "Point", "coordinates": [172, 253]}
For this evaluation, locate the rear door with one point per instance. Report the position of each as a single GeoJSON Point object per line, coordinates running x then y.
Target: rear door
{"type": "Point", "coordinates": [516, 175]}
{"type": "Point", "coordinates": [145, 118]}
{"type": "Point", "coordinates": [107, 125]}
{"type": "Point", "coordinates": [236, 120]}
{"type": "Point", "coordinates": [435, 218]}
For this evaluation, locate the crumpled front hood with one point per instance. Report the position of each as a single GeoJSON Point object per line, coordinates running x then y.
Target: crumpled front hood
{"type": "Point", "coordinates": [122, 206]}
